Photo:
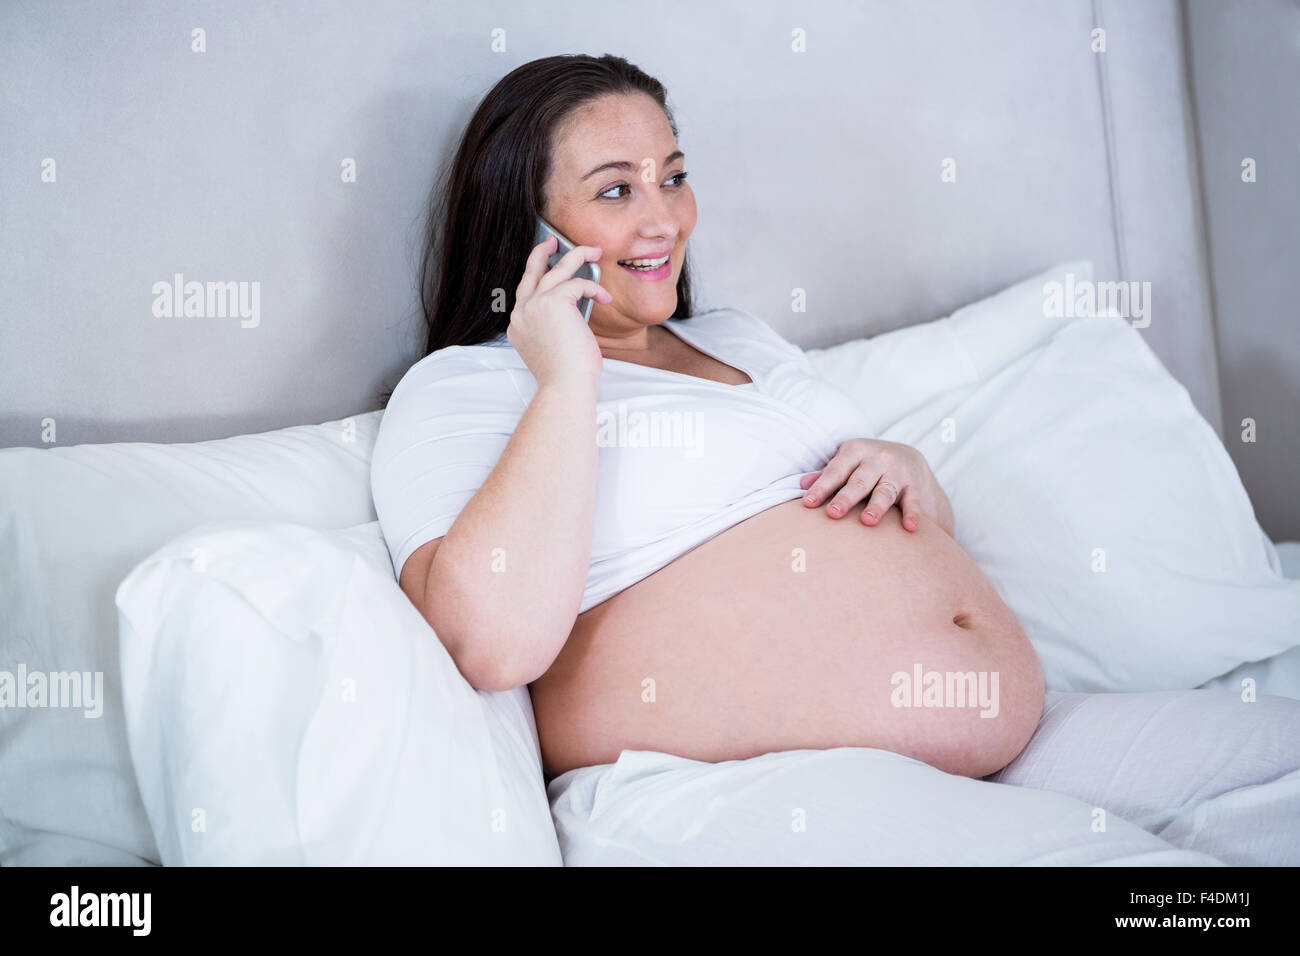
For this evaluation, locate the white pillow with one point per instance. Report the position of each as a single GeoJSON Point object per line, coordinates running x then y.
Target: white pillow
{"type": "Point", "coordinates": [1072, 450]}
{"type": "Point", "coordinates": [286, 704]}
{"type": "Point", "coordinates": [73, 523]}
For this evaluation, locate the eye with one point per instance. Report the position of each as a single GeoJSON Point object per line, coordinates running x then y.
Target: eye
{"type": "Point", "coordinates": [678, 176]}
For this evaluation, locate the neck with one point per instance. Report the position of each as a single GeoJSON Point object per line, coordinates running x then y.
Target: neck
{"type": "Point", "coordinates": [640, 340]}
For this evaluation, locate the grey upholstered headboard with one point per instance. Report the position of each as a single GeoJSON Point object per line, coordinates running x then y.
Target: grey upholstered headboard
{"type": "Point", "coordinates": [817, 135]}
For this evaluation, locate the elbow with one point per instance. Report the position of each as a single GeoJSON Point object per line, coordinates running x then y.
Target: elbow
{"type": "Point", "coordinates": [491, 662]}
{"type": "Point", "coordinates": [492, 649]}
{"type": "Point", "coordinates": [496, 675]}
{"type": "Point", "coordinates": [505, 665]}
{"type": "Point", "coordinates": [481, 665]}
{"type": "Point", "coordinates": [490, 679]}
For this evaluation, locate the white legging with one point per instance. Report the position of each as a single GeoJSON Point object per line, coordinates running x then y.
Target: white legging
{"type": "Point", "coordinates": [1188, 766]}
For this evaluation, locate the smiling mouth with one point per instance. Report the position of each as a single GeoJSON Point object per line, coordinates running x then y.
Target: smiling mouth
{"type": "Point", "coordinates": [646, 265]}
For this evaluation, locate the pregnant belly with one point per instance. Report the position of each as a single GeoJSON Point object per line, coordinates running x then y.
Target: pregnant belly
{"type": "Point", "coordinates": [793, 630]}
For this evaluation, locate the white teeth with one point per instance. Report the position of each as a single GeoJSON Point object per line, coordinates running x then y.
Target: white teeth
{"type": "Point", "coordinates": [648, 263]}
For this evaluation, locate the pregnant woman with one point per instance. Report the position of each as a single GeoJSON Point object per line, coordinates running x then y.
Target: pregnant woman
{"type": "Point", "coordinates": [665, 524]}
{"type": "Point", "coordinates": [682, 540]}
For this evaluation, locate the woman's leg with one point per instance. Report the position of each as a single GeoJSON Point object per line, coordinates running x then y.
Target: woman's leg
{"type": "Point", "coordinates": [1201, 769]}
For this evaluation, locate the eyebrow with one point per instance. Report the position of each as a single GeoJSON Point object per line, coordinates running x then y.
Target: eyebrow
{"type": "Point", "coordinates": [624, 164]}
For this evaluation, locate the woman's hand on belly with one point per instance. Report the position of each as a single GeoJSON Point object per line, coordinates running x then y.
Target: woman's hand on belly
{"type": "Point", "coordinates": [890, 472]}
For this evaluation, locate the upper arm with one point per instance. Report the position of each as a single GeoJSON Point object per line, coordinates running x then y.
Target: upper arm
{"type": "Point", "coordinates": [414, 583]}
{"type": "Point", "coordinates": [415, 574]}
{"type": "Point", "coordinates": [444, 429]}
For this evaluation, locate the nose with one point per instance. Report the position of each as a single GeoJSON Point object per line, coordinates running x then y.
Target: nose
{"type": "Point", "coordinates": [658, 218]}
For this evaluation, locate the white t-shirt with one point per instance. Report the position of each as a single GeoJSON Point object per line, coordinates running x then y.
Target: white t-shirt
{"type": "Point", "coordinates": [681, 458]}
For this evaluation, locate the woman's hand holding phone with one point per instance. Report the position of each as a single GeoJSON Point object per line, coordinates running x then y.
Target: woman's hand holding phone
{"type": "Point", "coordinates": [546, 327]}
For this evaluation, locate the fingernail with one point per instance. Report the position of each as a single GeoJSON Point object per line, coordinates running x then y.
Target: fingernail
{"type": "Point", "coordinates": [871, 515]}
{"type": "Point", "coordinates": [835, 509]}
{"type": "Point", "coordinates": [811, 499]}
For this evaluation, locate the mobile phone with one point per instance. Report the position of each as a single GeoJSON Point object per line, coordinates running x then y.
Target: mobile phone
{"type": "Point", "coordinates": [588, 270]}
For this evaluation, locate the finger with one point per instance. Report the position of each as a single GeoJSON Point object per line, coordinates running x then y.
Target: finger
{"type": "Point", "coordinates": [910, 503]}
{"type": "Point", "coordinates": [854, 490]}
{"type": "Point", "coordinates": [576, 289]}
{"type": "Point", "coordinates": [882, 499]}
{"type": "Point", "coordinates": [534, 268]}
{"type": "Point", "coordinates": [807, 480]}
{"type": "Point", "coordinates": [567, 265]}
{"type": "Point", "coordinates": [832, 477]}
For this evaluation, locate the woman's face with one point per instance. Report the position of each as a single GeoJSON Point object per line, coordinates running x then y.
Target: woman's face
{"type": "Point", "coordinates": [615, 183]}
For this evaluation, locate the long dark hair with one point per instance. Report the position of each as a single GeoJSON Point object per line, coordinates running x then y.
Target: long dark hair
{"type": "Point", "coordinates": [484, 206]}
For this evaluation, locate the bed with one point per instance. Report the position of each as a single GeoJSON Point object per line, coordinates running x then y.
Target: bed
{"type": "Point", "coordinates": [204, 658]}
{"type": "Point", "coordinates": [271, 697]}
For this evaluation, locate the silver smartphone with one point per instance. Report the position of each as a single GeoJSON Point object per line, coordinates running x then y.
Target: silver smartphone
{"type": "Point", "coordinates": [588, 270]}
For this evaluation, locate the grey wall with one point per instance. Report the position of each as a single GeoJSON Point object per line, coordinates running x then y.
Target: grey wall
{"type": "Point", "coordinates": [817, 170]}
{"type": "Point", "coordinates": [1245, 69]}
